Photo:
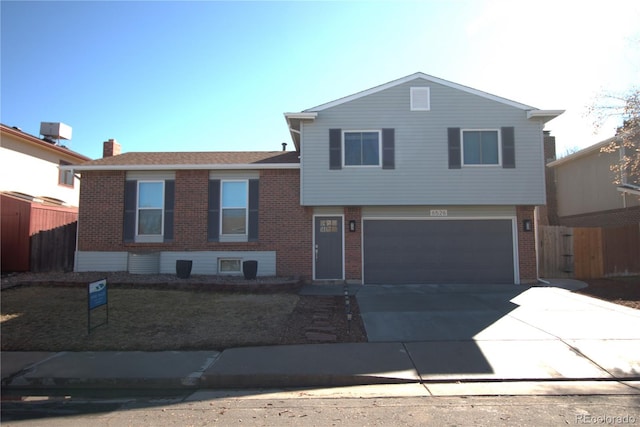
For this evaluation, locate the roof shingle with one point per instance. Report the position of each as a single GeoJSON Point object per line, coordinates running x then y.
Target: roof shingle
{"type": "Point", "coordinates": [197, 158]}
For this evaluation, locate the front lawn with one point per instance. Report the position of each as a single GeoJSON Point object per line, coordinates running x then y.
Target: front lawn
{"type": "Point", "coordinates": [49, 318]}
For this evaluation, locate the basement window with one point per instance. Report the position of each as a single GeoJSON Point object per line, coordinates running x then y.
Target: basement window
{"type": "Point", "coordinates": [229, 265]}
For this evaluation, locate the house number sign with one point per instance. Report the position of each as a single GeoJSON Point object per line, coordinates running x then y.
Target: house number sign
{"type": "Point", "coordinates": [438, 212]}
{"type": "Point", "coordinates": [328, 225]}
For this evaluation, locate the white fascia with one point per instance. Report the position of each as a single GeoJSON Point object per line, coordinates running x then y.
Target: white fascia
{"type": "Point", "coordinates": [301, 116]}
{"type": "Point", "coordinates": [544, 115]}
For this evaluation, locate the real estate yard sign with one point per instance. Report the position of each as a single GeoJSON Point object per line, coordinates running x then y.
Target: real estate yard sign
{"type": "Point", "coordinates": [97, 297]}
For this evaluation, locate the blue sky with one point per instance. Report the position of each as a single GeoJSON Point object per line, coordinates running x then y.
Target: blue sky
{"type": "Point", "coordinates": [205, 75]}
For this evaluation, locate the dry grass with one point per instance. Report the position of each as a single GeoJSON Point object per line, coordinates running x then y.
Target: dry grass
{"type": "Point", "coordinates": [40, 318]}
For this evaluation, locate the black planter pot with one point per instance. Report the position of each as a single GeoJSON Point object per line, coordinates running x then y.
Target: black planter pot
{"type": "Point", "coordinates": [183, 268]}
{"type": "Point", "coordinates": [250, 269]}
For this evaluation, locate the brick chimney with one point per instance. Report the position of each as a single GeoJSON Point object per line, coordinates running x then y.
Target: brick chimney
{"type": "Point", "coordinates": [111, 148]}
{"type": "Point", "coordinates": [549, 213]}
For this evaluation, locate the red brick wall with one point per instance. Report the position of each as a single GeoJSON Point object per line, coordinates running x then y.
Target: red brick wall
{"type": "Point", "coordinates": [284, 226]}
{"type": "Point", "coordinates": [190, 210]}
{"type": "Point", "coordinates": [353, 244]}
{"type": "Point", "coordinates": [101, 211]}
{"type": "Point", "coordinates": [526, 245]}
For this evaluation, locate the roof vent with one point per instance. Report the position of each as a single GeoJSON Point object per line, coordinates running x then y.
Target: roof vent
{"type": "Point", "coordinates": [53, 132]}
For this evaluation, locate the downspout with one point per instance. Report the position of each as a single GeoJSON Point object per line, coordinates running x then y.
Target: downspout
{"type": "Point", "coordinates": [75, 255]}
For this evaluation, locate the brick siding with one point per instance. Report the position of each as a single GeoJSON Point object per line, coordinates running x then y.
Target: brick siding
{"type": "Point", "coordinates": [548, 214]}
{"type": "Point", "coordinates": [284, 226]}
{"type": "Point", "coordinates": [101, 212]}
{"type": "Point", "coordinates": [526, 245]}
{"type": "Point", "coordinates": [353, 245]}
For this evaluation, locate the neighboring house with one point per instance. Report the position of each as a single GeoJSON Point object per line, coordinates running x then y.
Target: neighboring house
{"type": "Point", "coordinates": [36, 195]}
{"type": "Point", "coordinates": [586, 193]}
{"type": "Point", "coordinates": [419, 180]}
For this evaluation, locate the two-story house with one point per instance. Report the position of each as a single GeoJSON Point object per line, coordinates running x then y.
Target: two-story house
{"type": "Point", "coordinates": [586, 190]}
{"type": "Point", "coordinates": [35, 194]}
{"type": "Point", "coordinates": [419, 180]}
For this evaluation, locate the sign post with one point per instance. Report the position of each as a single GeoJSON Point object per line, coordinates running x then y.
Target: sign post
{"type": "Point", "coordinates": [97, 297]}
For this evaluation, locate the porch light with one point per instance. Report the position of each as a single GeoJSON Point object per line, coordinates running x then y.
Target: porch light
{"type": "Point", "coordinates": [526, 225]}
{"type": "Point", "coordinates": [352, 225]}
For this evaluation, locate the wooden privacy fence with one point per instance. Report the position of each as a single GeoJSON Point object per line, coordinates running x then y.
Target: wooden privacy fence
{"type": "Point", "coordinates": [54, 250]}
{"type": "Point", "coordinates": [588, 253]}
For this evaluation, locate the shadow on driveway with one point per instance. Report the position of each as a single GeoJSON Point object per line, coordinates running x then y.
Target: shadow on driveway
{"type": "Point", "coordinates": [503, 331]}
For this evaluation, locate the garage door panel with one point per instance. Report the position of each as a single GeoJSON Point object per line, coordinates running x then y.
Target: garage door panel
{"type": "Point", "coordinates": [438, 251]}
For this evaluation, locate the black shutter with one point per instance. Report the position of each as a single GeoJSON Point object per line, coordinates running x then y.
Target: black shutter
{"type": "Point", "coordinates": [508, 147]}
{"type": "Point", "coordinates": [169, 202]}
{"type": "Point", "coordinates": [388, 148]}
{"type": "Point", "coordinates": [254, 195]}
{"type": "Point", "coordinates": [454, 148]}
{"type": "Point", "coordinates": [213, 226]}
{"type": "Point", "coordinates": [335, 149]}
{"type": "Point", "coordinates": [130, 197]}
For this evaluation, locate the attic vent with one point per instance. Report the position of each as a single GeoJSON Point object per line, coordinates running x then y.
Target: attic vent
{"type": "Point", "coordinates": [420, 99]}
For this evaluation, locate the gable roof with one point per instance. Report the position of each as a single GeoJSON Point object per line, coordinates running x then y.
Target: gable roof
{"type": "Point", "coordinates": [422, 76]}
{"type": "Point", "coordinates": [194, 160]}
{"type": "Point", "coordinates": [595, 148]}
{"type": "Point", "coordinates": [294, 120]}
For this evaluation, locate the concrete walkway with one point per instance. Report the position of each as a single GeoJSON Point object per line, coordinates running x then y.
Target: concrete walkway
{"type": "Point", "coordinates": [452, 340]}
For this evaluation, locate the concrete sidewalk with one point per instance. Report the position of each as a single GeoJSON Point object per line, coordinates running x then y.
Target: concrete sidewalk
{"type": "Point", "coordinates": [528, 341]}
{"type": "Point", "coordinates": [325, 365]}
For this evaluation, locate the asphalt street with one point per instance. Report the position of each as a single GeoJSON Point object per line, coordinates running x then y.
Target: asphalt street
{"type": "Point", "coordinates": [390, 405]}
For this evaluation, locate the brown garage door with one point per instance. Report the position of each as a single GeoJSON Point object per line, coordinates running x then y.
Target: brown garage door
{"type": "Point", "coordinates": [438, 251]}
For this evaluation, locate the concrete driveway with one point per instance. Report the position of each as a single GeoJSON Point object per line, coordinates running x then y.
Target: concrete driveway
{"type": "Point", "coordinates": [504, 331]}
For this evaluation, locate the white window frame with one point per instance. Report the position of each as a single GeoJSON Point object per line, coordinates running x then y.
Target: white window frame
{"type": "Point", "coordinates": [344, 148]}
{"type": "Point", "coordinates": [231, 273]}
{"type": "Point", "coordinates": [415, 92]}
{"type": "Point", "coordinates": [149, 238]}
{"type": "Point", "coordinates": [493, 165]}
{"type": "Point", "coordinates": [234, 237]}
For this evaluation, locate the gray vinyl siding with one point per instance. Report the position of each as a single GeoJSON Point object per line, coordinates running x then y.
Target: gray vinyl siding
{"type": "Point", "coordinates": [484, 211]}
{"type": "Point", "coordinates": [422, 174]}
{"type": "Point", "coordinates": [101, 261]}
{"type": "Point", "coordinates": [204, 262]}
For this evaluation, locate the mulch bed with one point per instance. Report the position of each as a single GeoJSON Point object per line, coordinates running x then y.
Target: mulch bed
{"type": "Point", "coordinates": [620, 290]}
{"type": "Point", "coordinates": [320, 319]}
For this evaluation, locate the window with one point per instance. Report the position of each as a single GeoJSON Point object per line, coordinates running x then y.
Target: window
{"type": "Point", "coordinates": [150, 208]}
{"type": "Point", "coordinates": [362, 148]}
{"type": "Point", "coordinates": [234, 202]}
{"type": "Point", "coordinates": [480, 147]}
{"type": "Point", "coordinates": [229, 265]}
{"type": "Point", "coordinates": [420, 99]}
{"type": "Point", "coordinates": [65, 177]}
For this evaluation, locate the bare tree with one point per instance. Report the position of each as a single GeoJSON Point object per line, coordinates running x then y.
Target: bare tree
{"type": "Point", "coordinates": [627, 139]}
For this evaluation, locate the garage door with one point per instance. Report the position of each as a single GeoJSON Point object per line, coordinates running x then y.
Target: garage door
{"type": "Point", "coordinates": [438, 251]}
